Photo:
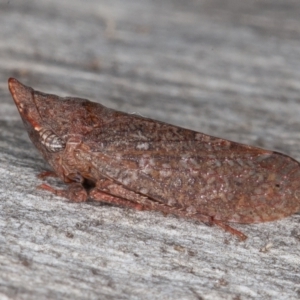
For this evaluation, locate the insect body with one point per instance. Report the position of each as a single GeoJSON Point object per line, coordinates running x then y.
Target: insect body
{"type": "Point", "coordinates": [141, 163]}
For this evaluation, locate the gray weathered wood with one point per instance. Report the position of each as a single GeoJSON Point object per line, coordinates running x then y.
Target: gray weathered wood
{"type": "Point", "coordinates": [226, 68]}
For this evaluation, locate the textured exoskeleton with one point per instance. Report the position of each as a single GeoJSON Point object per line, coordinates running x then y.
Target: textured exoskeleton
{"type": "Point", "coordinates": [132, 161]}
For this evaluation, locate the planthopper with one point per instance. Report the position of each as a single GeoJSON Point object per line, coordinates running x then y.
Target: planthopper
{"type": "Point", "coordinates": [132, 161]}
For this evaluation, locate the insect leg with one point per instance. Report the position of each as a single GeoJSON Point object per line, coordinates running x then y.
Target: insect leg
{"type": "Point", "coordinates": [148, 204]}
{"type": "Point", "coordinates": [46, 174]}
{"type": "Point", "coordinates": [98, 195]}
{"type": "Point", "coordinates": [231, 230]}
{"type": "Point", "coordinates": [145, 203]}
{"type": "Point", "coordinates": [74, 192]}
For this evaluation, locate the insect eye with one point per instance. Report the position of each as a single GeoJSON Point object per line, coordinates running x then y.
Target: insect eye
{"type": "Point", "coordinates": [51, 141]}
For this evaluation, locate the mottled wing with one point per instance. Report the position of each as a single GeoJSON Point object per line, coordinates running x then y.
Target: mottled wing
{"type": "Point", "coordinates": [199, 173]}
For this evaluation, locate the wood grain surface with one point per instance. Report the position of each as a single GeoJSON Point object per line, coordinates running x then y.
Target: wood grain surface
{"type": "Point", "coordinates": [226, 68]}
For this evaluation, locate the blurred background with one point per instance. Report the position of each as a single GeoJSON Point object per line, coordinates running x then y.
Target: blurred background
{"type": "Point", "coordinates": [179, 61]}
{"type": "Point", "coordinates": [228, 68]}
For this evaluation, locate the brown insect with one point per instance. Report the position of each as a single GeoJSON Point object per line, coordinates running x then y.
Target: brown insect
{"type": "Point", "coordinates": [136, 162]}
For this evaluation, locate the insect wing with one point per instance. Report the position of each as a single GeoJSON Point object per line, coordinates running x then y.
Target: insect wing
{"type": "Point", "coordinates": [193, 171]}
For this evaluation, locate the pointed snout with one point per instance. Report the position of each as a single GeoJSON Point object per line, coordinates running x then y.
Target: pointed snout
{"type": "Point", "coordinates": [23, 98]}
{"type": "Point", "coordinates": [19, 92]}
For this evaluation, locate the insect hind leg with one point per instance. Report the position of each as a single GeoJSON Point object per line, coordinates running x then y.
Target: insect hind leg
{"type": "Point", "coordinates": [230, 229]}
{"type": "Point", "coordinates": [124, 196]}
{"type": "Point", "coordinates": [128, 198]}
